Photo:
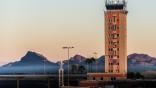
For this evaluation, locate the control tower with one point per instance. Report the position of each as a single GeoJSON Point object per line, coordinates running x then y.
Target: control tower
{"type": "Point", "coordinates": [115, 42]}
{"type": "Point", "coordinates": [116, 37]}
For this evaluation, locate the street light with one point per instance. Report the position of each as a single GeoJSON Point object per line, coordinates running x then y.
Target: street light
{"type": "Point", "coordinates": [96, 60]}
{"type": "Point", "coordinates": [44, 66]}
{"type": "Point", "coordinates": [61, 75]}
{"type": "Point", "coordinates": [68, 48]}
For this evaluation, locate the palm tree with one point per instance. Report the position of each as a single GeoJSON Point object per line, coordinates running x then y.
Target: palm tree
{"type": "Point", "coordinates": [89, 62]}
{"type": "Point", "coordinates": [92, 62]}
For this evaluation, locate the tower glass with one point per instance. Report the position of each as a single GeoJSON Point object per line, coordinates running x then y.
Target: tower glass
{"type": "Point", "coordinates": [116, 36]}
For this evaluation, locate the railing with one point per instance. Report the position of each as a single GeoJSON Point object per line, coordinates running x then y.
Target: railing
{"type": "Point", "coordinates": [115, 2]}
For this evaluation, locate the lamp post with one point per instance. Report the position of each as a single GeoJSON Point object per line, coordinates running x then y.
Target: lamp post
{"type": "Point", "coordinates": [44, 67]}
{"type": "Point", "coordinates": [61, 75]}
{"type": "Point", "coordinates": [68, 49]}
{"type": "Point", "coordinates": [96, 62]}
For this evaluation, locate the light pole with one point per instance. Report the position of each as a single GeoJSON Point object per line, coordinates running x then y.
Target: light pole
{"type": "Point", "coordinates": [61, 75]}
{"type": "Point", "coordinates": [44, 67]}
{"type": "Point", "coordinates": [68, 48]}
{"type": "Point", "coordinates": [96, 62]}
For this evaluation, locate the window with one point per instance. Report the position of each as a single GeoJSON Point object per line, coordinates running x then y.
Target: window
{"type": "Point", "coordinates": [93, 78]}
{"type": "Point", "coordinates": [110, 70]}
{"type": "Point", "coordinates": [114, 18]}
{"type": "Point", "coordinates": [118, 49]}
{"type": "Point", "coordinates": [118, 35]}
{"type": "Point", "coordinates": [113, 78]}
{"type": "Point", "coordinates": [118, 42]}
{"type": "Point", "coordinates": [118, 56]}
{"type": "Point", "coordinates": [118, 27]}
{"type": "Point", "coordinates": [101, 78]}
{"type": "Point", "coordinates": [117, 20]}
{"type": "Point", "coordinates": [118, 63]}
{"type": "Point", "coordinates": [110, 63]}
{"type": "Point", "coordinates": [111, 56]}
{"type": "Point", "coordinates": [113, 27]}
{"type": "Point", "coordinates": [110, 49]}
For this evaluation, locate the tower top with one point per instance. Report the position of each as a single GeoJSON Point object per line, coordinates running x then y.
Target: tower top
{"type": "Point", "coordinates": [115, 4]}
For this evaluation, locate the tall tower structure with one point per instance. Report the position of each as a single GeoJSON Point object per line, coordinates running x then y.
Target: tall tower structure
{"type": "Point", "coordinates": [61, 75]}
{"type": "Point", "coordinates": [116, 37]}
{"type": "Point", "coordinates": [115, 42]}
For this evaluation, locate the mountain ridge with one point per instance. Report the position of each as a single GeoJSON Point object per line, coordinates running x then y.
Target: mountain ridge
{"type": "Point", "coordinates": [33, 62]}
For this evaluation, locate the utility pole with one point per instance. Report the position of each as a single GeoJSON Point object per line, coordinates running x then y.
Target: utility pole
{"type": "Point", "coordinates": [68, 49]}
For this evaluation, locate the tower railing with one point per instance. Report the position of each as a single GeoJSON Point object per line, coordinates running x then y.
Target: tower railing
{"type": "Point", "coordinates": [115, 2]}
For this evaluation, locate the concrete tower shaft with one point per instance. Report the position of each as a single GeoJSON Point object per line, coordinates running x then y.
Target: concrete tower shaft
{"type": "Point", "coordinates": [116, 36]}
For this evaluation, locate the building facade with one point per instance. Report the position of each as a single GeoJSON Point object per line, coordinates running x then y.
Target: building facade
{"type": "Point", "coordinates": [116, 37]}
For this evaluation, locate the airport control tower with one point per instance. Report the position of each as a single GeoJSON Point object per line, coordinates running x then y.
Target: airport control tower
{"type": "Point", "coordinates": [116, 37]}
{"type": "Point", "coordinates": [115, 42]}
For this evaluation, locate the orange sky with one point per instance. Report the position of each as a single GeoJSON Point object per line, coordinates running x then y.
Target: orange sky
{"type": "Point", "coordinates": [45, 26]}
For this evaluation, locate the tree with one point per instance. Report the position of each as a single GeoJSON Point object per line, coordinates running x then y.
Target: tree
{"type": "Point", "coordinates": [82, 69]}
{"type": "Point", "coordinates": [92, 62]}
{"type": "Point", "coordinates": [131, 75]}
{"type": "Point", "coordinates": [74, 68]}
{"type": "Point", "coordinates": [139, 76]}
{"type": "Point", "coordinates": [89, 62]}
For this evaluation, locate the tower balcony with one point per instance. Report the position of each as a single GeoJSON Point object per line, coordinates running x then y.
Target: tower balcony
{"type": "Point", "coordinates": [115, 4]}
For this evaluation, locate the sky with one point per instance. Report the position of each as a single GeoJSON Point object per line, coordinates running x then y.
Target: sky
{"type": "Point", "coordinates": [45, 26]}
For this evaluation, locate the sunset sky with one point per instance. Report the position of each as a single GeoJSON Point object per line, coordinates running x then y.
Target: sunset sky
{"type": "Point", "coordinates": [45, 26]}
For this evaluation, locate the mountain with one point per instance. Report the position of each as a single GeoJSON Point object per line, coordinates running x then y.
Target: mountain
{"type": "Point", "coordinates": [77, 59]}
{"type": "Point", "coordinates": [141, 63]}
{"type": "Point", "coordinates": [31, 63]}
{"type": "Point", "coordinates": [35, 63]}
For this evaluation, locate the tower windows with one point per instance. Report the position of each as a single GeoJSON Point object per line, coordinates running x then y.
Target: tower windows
{"type": "Point", "coordinates": [118, 27]}
{"type": "Point", "coordinates": [93, 78]}
{"type": "Point", "coordinates": [101, 78]}
{"type": "Point", "coordinates": [118, 35]}
{"type": "Point", "coordinates": [118, 56]}
{"type": "Point", "coordinates": [118, 42]}
{"type": "Point", "coordinates": [110, 70]}
{"type": "Point", "coordinates": [117, 20]}
{"type": "Point", "coordinates": [118, 49]}
{"type": "Point", "coordinates": [113, 27]}
{"type": "Point", "coordinates": [114, 18]}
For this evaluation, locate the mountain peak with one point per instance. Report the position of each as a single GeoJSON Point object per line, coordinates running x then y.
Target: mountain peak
{"type": "Point", "coordinates": [30, 53]}
{"type": "Point", "coordinates": [77, 56]}
{"type": "Point", "coordinates": [33, 56]}
{"type": "Point", "coordinates": [136, 55]}
{"type": "Point", "coordinates": [75, 59]}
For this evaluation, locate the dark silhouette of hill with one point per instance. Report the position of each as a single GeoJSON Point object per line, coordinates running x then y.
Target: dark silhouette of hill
{"type": "Point", "coordinates": [31, 63]}
{"type": "Point", "coordinates": [141, 63]}
{"type": "Point", "coordinates": [35, 63]}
